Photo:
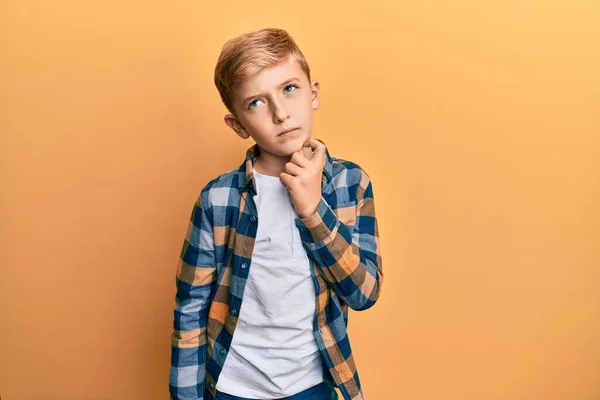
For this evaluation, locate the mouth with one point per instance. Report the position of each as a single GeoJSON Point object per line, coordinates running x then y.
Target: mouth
{"type": "Point", "coordinates": [287, 131]}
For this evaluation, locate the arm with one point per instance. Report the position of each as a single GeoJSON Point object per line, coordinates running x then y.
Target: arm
{"type": "Point", "coordinates": [349, 261]}
{"type": "Point", "coordinates": [195, 274]}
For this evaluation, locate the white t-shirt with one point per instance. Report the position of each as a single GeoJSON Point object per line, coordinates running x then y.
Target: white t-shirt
{"type": "Point", "coordinates": [273, 351]}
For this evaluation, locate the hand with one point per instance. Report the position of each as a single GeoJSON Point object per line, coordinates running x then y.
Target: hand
{"type": "Point", "coordinates": [302, 177]}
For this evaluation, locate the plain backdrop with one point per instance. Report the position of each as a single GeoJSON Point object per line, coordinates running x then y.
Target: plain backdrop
{"type": "Point", "coordinates": [478, 122]}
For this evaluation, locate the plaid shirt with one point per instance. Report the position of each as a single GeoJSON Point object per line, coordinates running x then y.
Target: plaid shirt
{"type": "Point", "coordinates": [342, 243]}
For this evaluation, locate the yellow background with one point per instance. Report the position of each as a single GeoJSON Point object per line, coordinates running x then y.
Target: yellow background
{"type": "Point", "coordinates": [477, 121]}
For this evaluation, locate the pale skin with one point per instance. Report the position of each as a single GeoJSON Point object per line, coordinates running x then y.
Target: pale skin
{"type": "Point", "coordinates": [275, 100]}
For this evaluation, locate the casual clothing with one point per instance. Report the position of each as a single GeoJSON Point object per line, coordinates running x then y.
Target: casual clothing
{"type": "Point", "coordinates": [274, 353]}
{"type": "Point", "coordinates": [322, 391]}
{"type": "Point", "coordinates": [341, 241]}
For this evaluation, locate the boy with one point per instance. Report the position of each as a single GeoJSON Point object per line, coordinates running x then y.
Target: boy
{"type": "Point", "coordinates": [277, 249]}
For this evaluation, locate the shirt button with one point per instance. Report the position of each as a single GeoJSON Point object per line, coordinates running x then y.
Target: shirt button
{"type": "Point", "coordinates": [253, 219]}
{"type": "Point", "coordinates": [223, 351]}
{"type": "Point", "coordinates": [233, 312]}
{"type": "Point", "coordinates": [244, 265]}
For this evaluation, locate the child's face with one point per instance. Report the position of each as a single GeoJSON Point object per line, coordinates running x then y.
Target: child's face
{"type": "Point", "coordinates": [274, 100]}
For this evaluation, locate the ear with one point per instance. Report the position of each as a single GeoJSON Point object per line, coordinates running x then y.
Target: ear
{"type": "Point", "coordinates": [232, 122]}
{"type": "Point", "coordinates": [315, 89]}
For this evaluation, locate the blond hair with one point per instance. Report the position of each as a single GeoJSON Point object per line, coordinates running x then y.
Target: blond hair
{"type": "Point", "coordinates": [247, 54]}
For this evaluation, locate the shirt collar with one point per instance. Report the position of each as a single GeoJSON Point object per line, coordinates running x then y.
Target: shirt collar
{"type": "Point", "coordinates": [246, 170]}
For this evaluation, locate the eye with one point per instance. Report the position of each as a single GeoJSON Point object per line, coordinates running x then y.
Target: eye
{"type": "Point", "coordinates": [290, 88]}
{"type": "Point", "coordinates": [253, 104]}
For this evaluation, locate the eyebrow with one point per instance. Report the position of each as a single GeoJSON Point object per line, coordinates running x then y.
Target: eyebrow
{"type": "Point", "coordinates": [247, 99]}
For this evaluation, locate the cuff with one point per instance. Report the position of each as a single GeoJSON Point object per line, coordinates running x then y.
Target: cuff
{"type": "Point", "coordinates": [317, 227]}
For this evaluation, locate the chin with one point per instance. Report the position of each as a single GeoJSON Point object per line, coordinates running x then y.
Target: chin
{"type": "Point", "coordinates": [289, 151]}
{"type": "Point", "coordinates": [280, 150]}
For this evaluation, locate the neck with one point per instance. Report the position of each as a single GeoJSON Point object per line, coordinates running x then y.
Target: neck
{"type": "Point", "coordinates": [270, 164]}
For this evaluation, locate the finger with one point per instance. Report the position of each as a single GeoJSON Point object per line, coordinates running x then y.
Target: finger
{"type": "Point", "coordinates": [313, 143]}
{"type": "Point", "coordinates": [299, 159]}
{"type": "Point", "coordinates": [308, 152]}
{"type": "Point", "coordinates": [292, 169]}
{"type": "Point", "coordinates": [286, 179]}
{"type": "Point", "coordinates": [319, 148]}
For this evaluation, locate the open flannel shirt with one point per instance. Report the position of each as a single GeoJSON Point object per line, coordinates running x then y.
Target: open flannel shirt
{"type": "Point", "coordinates": [342, 243]}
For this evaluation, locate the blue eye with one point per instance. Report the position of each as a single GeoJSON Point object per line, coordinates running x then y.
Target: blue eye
{"type": "Point", "coordinates": [253, 104]}
{"type": "Point", "coordinates": [288, 89]}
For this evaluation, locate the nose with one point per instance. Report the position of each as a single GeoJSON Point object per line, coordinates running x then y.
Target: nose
{"type": "Point", "coordinates": [280, 112]}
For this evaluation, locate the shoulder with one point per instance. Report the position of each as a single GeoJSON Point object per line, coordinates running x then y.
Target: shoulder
{"type": "Point", "coordinates": [218, 189]}
{"type": "Point", "coordinates": [350, 177]}
{"type": "Point", "coordinates": [348, 172]}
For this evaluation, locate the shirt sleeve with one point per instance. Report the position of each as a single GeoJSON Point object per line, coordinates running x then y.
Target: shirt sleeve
{"type": "Point", "coordinates": [349, 260]}
{"type": "Point", "coordinates": [195, 274]}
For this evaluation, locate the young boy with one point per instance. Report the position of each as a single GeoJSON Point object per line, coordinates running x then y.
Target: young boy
{"type": "Point", "coordinates": [277, 249]}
